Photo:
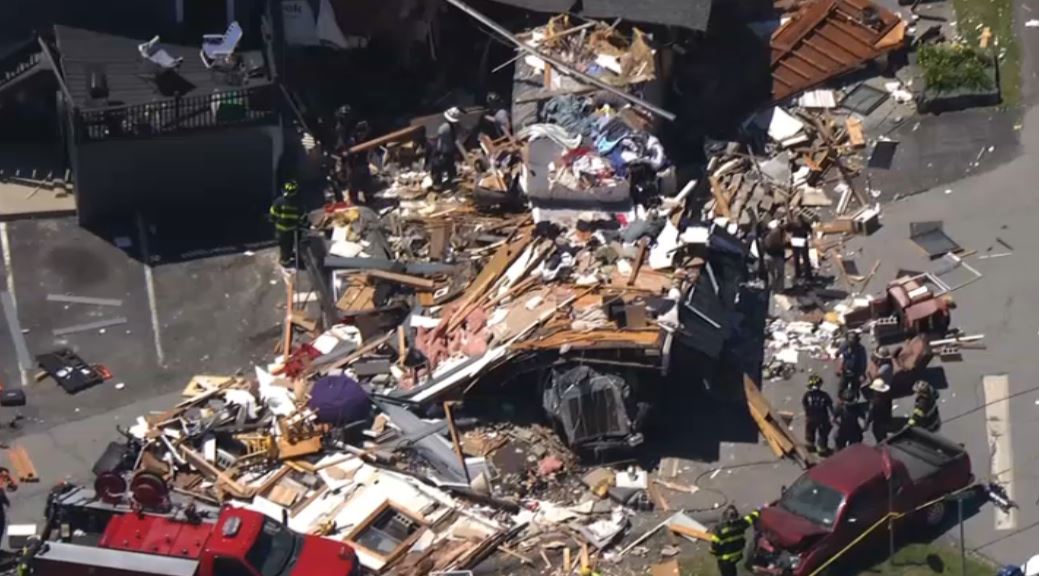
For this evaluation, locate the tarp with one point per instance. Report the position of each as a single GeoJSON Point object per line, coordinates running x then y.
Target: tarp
{"type": "Point", "coordinates": [691, 14]}
{"type": "Point", "coordinates": [339, 400]}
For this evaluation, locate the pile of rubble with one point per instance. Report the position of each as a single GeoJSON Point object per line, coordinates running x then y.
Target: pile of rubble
{"type": "Point", "coordinates": [565, 250]}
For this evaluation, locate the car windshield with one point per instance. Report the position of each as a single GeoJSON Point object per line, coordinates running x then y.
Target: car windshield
{"type": "Point", "coordinates": [274, 548]}
{"type": "Point", "coordinates": [812, 501]}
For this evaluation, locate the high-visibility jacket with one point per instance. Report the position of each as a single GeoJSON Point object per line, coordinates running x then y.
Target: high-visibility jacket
{"type": "Point", "coordinates": [925, 413]}
{"type": "Point", "coordinates": [728, 540]}
{"type": "Point", "coordinates": [285, 214]}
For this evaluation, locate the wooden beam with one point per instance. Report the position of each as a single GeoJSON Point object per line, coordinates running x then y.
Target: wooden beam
{"type": "Point", "coordinates": [689, 531]}
{"type": "Point", "coordinates": [640, 258]}
{"type": "Point", "coordinates": [406, 279]}
{"type": "Point", "coordinates": [384, 139]}
{"type": "Point", "coordinates": [286, 336]}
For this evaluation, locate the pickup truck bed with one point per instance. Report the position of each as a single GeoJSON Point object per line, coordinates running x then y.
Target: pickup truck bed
{"type": "Point", "coordinates": [923, 455]}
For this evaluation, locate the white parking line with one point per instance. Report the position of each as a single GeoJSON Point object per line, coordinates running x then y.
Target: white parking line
{"type": "Point", "coordinates": [1001, 454]}
{"type": "Point", "coordinates": [5, 245]}
{"type": "Point", "coordinates": [149, 284]}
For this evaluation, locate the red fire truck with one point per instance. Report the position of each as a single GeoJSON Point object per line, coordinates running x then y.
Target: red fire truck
{"type": "Point", "coordinates": [223, 542]}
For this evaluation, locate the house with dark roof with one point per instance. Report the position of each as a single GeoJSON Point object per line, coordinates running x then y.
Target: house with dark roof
{"type": "Point", "coordinates": [688, 14]}
{"type": "Point", "coordinates": [150, 127]}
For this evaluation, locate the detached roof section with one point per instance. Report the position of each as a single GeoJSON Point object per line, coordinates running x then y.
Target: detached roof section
{"type": "Point", "coordinates": [828, 38]}
{"type": "Point", "coordinates": [691, 14]}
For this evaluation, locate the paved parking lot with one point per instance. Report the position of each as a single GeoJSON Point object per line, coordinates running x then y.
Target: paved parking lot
{"type": "Point", "coordinates": [216, 314]}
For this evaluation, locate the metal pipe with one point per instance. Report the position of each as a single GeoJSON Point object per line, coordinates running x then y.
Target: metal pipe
{"type": "Point", "coordinates": [559, 64]}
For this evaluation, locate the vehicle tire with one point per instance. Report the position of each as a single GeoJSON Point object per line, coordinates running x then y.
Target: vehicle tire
{"type": "Point", "coordinates": [933, 515]}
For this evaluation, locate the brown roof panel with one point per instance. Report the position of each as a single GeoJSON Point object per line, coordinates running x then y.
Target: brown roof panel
{"type": "Point", "coordinates": [827, 38]}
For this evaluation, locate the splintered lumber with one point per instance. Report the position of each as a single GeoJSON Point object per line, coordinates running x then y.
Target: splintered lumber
{"type": "Point", "coordinates": [286, 342]}
{"type": "Point", "coordinates": [405, 279]}
{"type": "Point", "coordinates": [639, 260]}
{"type": "Point", "coordinates": [490, 273]}
{"type": "Point", "coordinates": [384, 139]}
{"type": "Point", "coordinates": [215, 474]}
{"type": "Point", "coordinates": [776, 435]}
{"type": "Point", "coordinates": [689, 531]}
{"type": "Point", "coordinates": [24, 469]}
{"type": "Point", "coordinates": [721, 203]}
{"type": "Point", "coordinates": [365, 349]}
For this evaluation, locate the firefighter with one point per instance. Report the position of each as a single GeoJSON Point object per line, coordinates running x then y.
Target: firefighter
{"type": "Point", "coordinates": [496, 122]}
{"type": "Point", "coordinates": [774, 243]}
{"type": "Point", "coordinates": [358, 170]}
{"type": "Point", "coordinates": [818, 407]}
{"type": "Point", "coordinates": [728, 539]}
{"type": "Point", "coordinates": [846, 419]}
{"type": "Point", "coordinates": [880, 406]}
{"type": "Point", "coordinates": [446, 150]}
{"type": "Point", "coordinates": [851, 364]}
{"type": "Point", "coordinates": [800, 231]}
{"type": "Point", "coordinates": [286, 216]}
{"type": "Point", "coordinates": [925, 407]}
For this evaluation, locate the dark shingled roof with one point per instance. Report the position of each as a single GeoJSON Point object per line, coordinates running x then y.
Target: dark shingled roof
{"type": "Point", "coordinates": [691, 14]}
{"type": "Point", "coordinates": [128, 75]}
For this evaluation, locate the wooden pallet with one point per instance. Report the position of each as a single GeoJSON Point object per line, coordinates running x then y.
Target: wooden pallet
{"type": "Point", "coordinates": [24, 469]}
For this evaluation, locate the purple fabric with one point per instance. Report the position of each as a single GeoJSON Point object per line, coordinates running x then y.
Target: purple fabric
{"type": "Point", "coordinates": [339, 400]}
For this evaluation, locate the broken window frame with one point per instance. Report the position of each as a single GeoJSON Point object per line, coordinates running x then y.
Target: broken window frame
{"type": "Point", "coordinates": [369, 521]}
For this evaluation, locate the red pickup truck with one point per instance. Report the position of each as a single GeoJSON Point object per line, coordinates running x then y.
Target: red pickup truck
{"type": "Point", "coordinates": [833, 503]}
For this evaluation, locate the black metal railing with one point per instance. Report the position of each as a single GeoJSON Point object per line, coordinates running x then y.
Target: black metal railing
{"type": "Point", "coordinates": [244, 106]}
{"type": "Point", "coordinates": [20, 61]}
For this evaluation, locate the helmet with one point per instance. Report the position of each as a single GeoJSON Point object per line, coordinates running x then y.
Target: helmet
{"type": "Point", "coordinates": [730, 514]}
{"type": "Point", "coordinates": [453, 114]}
{"type": "Point", "coordinates": [922, 387]}
{"type": "Point", "coordinates": [343, 112]}
{"type": "Point", "coordinates": [290, 187]}
{"type": "Point", "coordinates": [362, 128]}
{"type": "Point", "coordinates": [815, 381]}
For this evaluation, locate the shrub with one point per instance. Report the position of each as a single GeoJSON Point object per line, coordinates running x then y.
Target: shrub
{"type": "Point", "coordinates": [951, 67]}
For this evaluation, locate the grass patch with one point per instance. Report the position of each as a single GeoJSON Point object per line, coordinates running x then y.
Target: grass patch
{"type": "Point", "coordinates": [998, 15]}
{"type": "Point", "coordinates": [910, 560]}
{"type": "Point", "coordinates": [928, 560]}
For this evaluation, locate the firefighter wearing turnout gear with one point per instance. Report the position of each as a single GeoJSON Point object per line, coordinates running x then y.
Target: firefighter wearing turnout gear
{"type": "Point", "coordinates": [728, 539]}
{"type": "Point", "coordinates": [818, 407]}
{"type": "Point", "coordinates": [925, 407]}
{"type": "Point", "coordinates": [285, 214]}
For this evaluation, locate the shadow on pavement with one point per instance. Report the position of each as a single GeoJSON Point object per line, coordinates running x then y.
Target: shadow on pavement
{"type": "Point", "coordinates": [189, 235]}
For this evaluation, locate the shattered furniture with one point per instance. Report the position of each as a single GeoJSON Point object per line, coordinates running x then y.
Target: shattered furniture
{"type": "Point", "coordinates": [907, 362]}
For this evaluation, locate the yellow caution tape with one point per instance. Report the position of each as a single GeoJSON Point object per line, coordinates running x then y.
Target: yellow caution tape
{"type": "Point", "coordinates": [887, 518]}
